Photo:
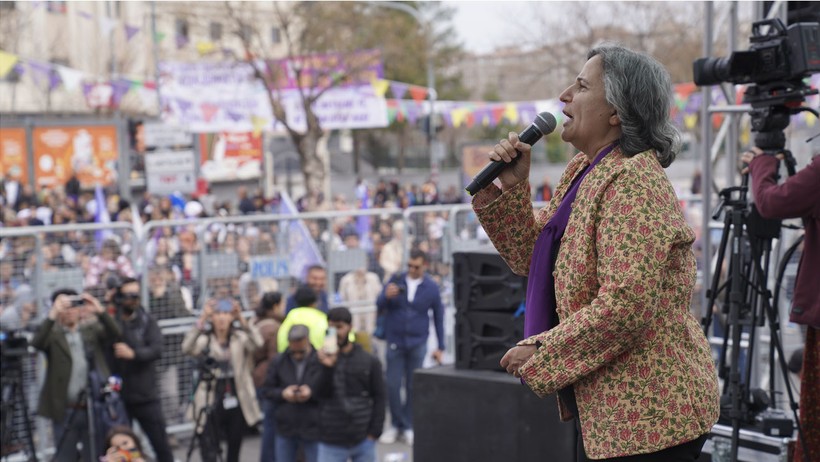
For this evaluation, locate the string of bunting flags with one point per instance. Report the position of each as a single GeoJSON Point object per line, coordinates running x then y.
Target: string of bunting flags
{"type": "Point", "coordinates": [685, 111]}
{"type": "Point", "coordinates": [110, 92]}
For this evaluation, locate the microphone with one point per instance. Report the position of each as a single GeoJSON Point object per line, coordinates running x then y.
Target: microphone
{"type": "Point", "coordinates": [543, 124]}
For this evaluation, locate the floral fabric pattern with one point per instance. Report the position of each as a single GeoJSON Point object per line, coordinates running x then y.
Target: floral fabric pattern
{"type": "Point", "coordinates": [641, 367]}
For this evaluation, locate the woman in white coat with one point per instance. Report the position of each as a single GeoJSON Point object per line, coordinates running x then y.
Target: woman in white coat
{"type": "Point", "coordinates": [223, 343]}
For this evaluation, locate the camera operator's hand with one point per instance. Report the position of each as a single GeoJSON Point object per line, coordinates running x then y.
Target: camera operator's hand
{"type": "Point", "coordinates": [289, 393]}
{"type": "Point", "coordinates": [123, 351]}
{"type": "Point", "coordinates": [747, 157]}
{"type": "Point", "coordinates": [303, 394]}
{"type": "Point", "coordinates": [391, 290]}
{"type": "Point", "coordinates": [327, 360]}
{"type": "Point", "coordinates": [207, 310]}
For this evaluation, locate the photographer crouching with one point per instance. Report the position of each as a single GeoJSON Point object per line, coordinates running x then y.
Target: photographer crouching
{"type": "Point", "coordinates": [797, 197]}
{"type": "Point", "coordinates": [73, 338]}
{"type": "Point", "coordinates": [224, 343]}
{"type": "Point", "coordinates": [136, 354]}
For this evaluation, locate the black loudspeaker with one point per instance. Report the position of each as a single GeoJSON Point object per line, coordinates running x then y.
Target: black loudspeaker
{"type": "Point", "coordinates": [482, 416]}
{"type": "Point", "coordinates": [488, 296]}
{"type": "Point", "coordinates": [484, 282]}
{"type": "Point", "coordinates": [483, 337]}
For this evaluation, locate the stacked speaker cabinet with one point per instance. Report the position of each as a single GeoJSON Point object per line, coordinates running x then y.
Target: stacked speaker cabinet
{"type": "Point", "coordinates": [488, 298]}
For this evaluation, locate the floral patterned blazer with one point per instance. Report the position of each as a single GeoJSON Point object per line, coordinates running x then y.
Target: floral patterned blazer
{"type": "Point", "coordinates": [641, 367]}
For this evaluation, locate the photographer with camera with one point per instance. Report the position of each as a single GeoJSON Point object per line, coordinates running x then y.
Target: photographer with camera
{"type": "Point", "coordinates": [69, 338]}
{"type": "Point", "coordinates": [797, 197]}
{"type": "Point", "coordinates": [224, 342]}
{"type": "Point", "coordinates": [136, 354]}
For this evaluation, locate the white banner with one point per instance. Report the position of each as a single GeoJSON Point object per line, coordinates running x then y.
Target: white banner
{"type": "Point", "coordinates": [170, 171]}
{"type": "Point", "coordinates": [162, 135]}
{"type": "Point", "coordinates": [213, 97]}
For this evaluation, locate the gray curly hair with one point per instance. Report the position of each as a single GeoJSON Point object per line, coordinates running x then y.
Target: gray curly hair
{"type": "Point", "coordinates": [640, 89]}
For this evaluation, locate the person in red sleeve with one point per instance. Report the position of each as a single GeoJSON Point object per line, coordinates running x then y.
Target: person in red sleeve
{"type": "Point", "coordinates": [798, 197]}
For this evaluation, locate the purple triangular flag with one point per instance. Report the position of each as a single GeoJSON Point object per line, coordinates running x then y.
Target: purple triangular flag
{"type": "Point", "coordinates": [182, 41]}
{"type": "Point", "coordinates": [398, 89]}
{"type": "Point", "coordinates": [39, 72]}
{"type": "Point", "coordinates": [85, 15]}
{"type": "Point", "coordinates": [184, 106]}
{"type": "Point", "coordinates": [130, 32]}
{"type": "Point", "coordinates": [235, 116]}
{"type": "Point", "coordinates": [19, 69]}
{"type": "Point", "coordinates": [87, 87]}
{"type": "Point", "coordinates": [119, 88]}
{"type": "Point", "coordinates": [54, 79]}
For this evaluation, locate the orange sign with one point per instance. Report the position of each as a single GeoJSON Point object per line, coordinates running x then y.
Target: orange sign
{"type": "Point", "coordinates": [224, 145]}
{"type": "Point", "coordinates": [13, 154]}
{"type": "Point", "coordinates": [89, 151]}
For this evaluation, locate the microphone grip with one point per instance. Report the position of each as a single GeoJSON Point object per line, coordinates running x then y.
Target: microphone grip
{"type": "Point", "coordinates": [486, 176]}
{"type": "Point", "coordinates": [491, 171]}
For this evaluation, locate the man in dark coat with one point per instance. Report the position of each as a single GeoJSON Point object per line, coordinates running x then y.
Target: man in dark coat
{"type": "Point", "coordinates": [135, 358]}
{"type": "Point", "coordinates": [353, 396]}
{"type": "Point", "coordinates": [74, 339]}
{"type": "Point", "coordinates": [291, 383]}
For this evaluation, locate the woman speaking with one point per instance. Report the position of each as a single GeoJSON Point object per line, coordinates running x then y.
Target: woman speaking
{"type": "Point", "coordinates": [611, 270]}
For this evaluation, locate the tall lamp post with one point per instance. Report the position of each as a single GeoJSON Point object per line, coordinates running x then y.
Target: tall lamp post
{"type": "Point", "coordinates": [431, 77]}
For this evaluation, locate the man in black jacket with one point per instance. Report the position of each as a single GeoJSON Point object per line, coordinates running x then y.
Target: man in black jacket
{"type": "Point", "coordinates": [135, 356]}
{"type": "Point", "coordinates": [352, 394]}
{"type": "Point", "coordinates": [291, 383]}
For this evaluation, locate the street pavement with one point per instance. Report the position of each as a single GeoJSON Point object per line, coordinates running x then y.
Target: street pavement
{"type": "Point", "coordinates": [397, 452]}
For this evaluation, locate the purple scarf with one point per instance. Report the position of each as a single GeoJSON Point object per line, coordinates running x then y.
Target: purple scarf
{"type": "Point", "coordinates": [541, 314]}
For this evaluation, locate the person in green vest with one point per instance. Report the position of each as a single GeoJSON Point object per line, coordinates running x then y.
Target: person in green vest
{"type": "Point", "coordinates": [307, 313]}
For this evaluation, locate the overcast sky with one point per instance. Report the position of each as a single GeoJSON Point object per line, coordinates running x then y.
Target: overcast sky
{"type": "Point", "coordinates": [477, 23]}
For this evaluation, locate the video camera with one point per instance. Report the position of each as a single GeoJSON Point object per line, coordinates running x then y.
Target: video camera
{"type": "Point", "coordinates": [13, 344]}
{"type": "Point", "coordinates": [776, 63]}
{"type": "Point", "coordinates": [779, 54]}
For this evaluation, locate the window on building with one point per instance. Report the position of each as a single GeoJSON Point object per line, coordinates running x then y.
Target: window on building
{"type": "Point", "coordinates": [215, 30]}
{"type": "Point", "coordinates": [55, 7]}
{"type": "Point", "coordinates": [275, 35]}
{"type": "Point", "coordinates": [181, 28]}
{"type": "Point", "coordinates": [245, 32]}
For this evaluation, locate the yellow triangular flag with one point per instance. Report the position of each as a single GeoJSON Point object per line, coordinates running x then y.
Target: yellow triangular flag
{"type": "Point", "coordinates": [205, 47]}
{"type": "Point", "coordinates": [259, 124]}
{"type": "Point", "coordinates": [511, 113]}
{"type": "Point", "coordinates": [7, 62]}
{"type": "Point", "coordinates": [458, 116]}
{"type": "Point", "coordinates": [690, 121]}
{"type": "Point", "coordinates": [810, 118]}
{"type": "Point", "coordinates": [380, 86]}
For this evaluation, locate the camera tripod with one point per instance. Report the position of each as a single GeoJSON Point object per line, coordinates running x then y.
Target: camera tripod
{"type": "Point", "coordinates": [13, 400]}
{"type": "Point", "coordinates": [747, 303]}
{"type": "Point", "coordinates": [205, 426]}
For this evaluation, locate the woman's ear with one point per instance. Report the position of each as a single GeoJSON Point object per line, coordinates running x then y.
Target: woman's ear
{"type": "Point", "coordinates": [614, 120]}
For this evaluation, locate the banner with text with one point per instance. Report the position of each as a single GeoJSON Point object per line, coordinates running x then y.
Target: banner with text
{"type": "Point", "coordinates": [167, 172]}
{"type": "Point", "coordinates": [226, 97]}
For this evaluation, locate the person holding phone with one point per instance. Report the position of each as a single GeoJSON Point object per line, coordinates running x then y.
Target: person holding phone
{"type": "Point", "coordinates": [291, 384]}
{"type": "Point", "coordinates": [226, 338]}
{"type": "Point", "coordinates": [72, 349]}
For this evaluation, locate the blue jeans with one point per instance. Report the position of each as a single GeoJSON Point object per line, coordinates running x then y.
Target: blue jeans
{"type": "Point", "coordinates": [362, 452]}
{"type": "Point", "coordinates": [287, 448]}
{"type": "Point", "coordinates": [401, 362]}
{"type": "Point", "coordinates": [267, 451]}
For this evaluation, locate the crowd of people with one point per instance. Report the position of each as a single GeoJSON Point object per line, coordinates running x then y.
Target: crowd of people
{"type": "Point", "coordinates": [305, 375]}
